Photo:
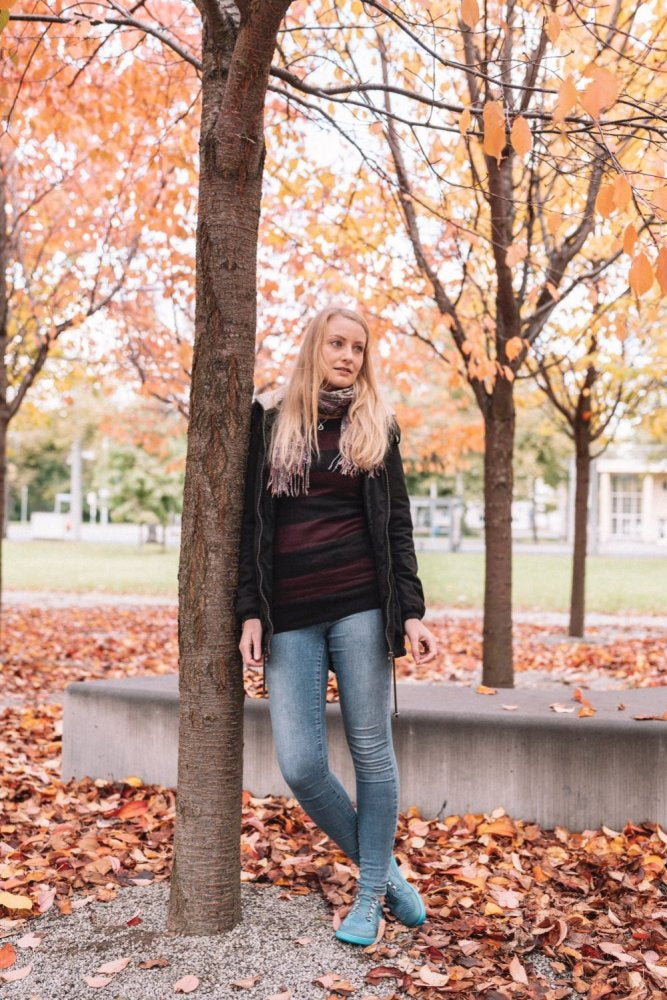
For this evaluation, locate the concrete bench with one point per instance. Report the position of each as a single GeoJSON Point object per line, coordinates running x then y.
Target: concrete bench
{"type": "Point", "coordinates": [457, 751]}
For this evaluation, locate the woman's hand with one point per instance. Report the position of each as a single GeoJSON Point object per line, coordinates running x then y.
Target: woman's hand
{"type": "Point", "coordinates": [251, 643]}
{"type": "Point", "coordinates": [422, 642]}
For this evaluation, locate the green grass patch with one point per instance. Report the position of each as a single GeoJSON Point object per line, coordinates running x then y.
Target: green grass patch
{"type": "Point", "coordinates": [541, 582]}
{"type": "Point", "coordinates": [84, 566]}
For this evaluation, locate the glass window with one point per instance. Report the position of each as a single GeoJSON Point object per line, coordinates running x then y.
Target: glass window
{"type": "Point", "coordinates": [626, 506]}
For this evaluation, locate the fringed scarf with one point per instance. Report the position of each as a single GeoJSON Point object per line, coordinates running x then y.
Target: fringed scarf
{"type": "Point", "coordinates": [331, 403]}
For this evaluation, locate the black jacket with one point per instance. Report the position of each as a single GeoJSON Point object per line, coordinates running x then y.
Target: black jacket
{"type": "Point", "coordinates": [390, 526]}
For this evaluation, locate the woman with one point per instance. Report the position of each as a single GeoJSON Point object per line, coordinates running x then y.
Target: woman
{"type": "Point", "coordinates": [328, 578]}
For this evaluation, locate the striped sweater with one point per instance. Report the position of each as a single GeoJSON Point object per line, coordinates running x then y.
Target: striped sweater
{"type": "Point", "coordinates": [323, 561]}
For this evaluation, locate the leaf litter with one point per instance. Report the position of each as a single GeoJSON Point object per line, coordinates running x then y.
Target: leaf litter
{"type": "Point", "coordinates": [513, 910]}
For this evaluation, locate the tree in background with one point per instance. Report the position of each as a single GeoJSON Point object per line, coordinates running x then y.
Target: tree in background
{"type": "Point", "coordinates": [73, 207]}
{"type": "Point", "coordinates": [145, 487]}
{"type": "Point", "coordinates": [137, 451]}
{"type": "Point", "coordinates": [495, 293]}
{"type": "Point", "coordinates": [36, 460]}
{"type": "Point", "coordinates": [490, 145]}
{"type": "Point", "coordinates": [540, 456]}
{"type": "Point", "coordinates": [606, 368]}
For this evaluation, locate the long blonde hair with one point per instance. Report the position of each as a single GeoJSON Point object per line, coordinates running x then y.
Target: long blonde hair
{"type": "Point", "coordinates": [365, 440]}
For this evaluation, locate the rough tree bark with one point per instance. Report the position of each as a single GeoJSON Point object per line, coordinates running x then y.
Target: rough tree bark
{"type": "Point", "coordinates": [4, 410]}
{"type": "Point", "coordinates": [580, 549]}
{"type": "Point", "coordinates": [238, 44]}
{"type": "Point", "coordinates": [498, 409]}
{"type": "Point", "coordinates": [499, 424]}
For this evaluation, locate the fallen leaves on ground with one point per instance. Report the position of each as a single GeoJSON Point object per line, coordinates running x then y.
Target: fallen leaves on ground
{"type": "Point", "coordinates": [499, 891]}
{"type": "Point", "coordinates": [44, 649]}
{"type": "Point", "coordinates": [502, 894]}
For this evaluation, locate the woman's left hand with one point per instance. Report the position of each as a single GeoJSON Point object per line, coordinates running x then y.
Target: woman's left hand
{"type": "Point", "coordinates": [423, 645]}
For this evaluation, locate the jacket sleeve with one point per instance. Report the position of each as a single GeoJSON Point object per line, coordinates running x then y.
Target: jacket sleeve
{"type": "Point", "coordinates": [247, 593]}
{"type": "Point", "coordinates": [403, 558]}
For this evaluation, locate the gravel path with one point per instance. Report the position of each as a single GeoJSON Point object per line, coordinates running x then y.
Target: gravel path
{"type": "Point", "coordinates": [264, 944]}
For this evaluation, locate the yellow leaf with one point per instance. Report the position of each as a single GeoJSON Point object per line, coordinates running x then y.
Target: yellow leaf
{"type": "Point", "coordinates": [604, 203]}
{"type": "Point", "coordinates": [502, 827]}
{"type": "Point", "coordinates": [494, 129]}
{"type": "Point", "coordinates": [659, 199]}
{"type": "Point", "coordinates": [553, 291]}
{"type": "Point", "coordinates": [641, 274]}
{"type": "Point", "coordinates": [567, 99]}
{"type": "Point", "coordinates": [514, 253]}
{"type": "Point", "coordinates": [469, 12]}
{"type": "Point", "coordinates": [629, 238]}
{"type": "Point", "coordinates": [601, 92]}
{"type": "Point", "coordinates": [464, 121]}
{"type": "Point", "coordinates": [661, 270]}
{"type": "Point", "coordinates": [14, 902]}
{"type": "Point", "coordinates": [622, 192]}
{"type": "Point", "coordinates": [553, 27]}
{"type": "Point", "coordinates": [513, 348]}
{"type": "Point", "coordinates": [492, 908]}
{"type": "Point", "coordinates": [521, 136]}
{"type": "Point", "coordinates": [554, 220]}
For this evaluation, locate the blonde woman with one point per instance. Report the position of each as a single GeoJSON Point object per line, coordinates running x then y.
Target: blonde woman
{"type": "Point", "coordinates": [328, 579]}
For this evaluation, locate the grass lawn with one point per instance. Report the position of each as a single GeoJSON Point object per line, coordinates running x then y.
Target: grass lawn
{"type": "Point", "coordinates": [540, 581]}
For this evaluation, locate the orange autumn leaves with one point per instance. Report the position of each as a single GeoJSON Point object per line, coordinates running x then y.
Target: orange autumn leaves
{"type": "Point", "coordinates": [506, 899]}
{"type": "Point", "coordinates": [583, 94]}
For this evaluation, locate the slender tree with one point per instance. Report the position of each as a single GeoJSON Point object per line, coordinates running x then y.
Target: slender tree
{"type": "Point", "coordinates": [238, 44]}
{"type": "Point", "coordinates": [606, 370]}
{"type": "Point", "coordinates": [537, 127]}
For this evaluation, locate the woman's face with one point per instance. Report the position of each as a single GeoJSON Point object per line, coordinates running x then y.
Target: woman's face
{"type": "Point", "coordinates": [343, 347]}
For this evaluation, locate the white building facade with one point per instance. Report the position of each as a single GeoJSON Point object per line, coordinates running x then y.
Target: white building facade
{"type": "Point", "coordinates": [632, 500]}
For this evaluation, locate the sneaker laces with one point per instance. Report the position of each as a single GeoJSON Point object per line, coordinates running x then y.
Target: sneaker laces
{"type": "Point", "coordinates": [371, 901]}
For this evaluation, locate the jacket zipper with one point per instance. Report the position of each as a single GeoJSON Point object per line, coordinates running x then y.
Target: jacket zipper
{"type": "Point", "coordinates": [267, 638]}
{"type": "Point", "coordinates": [390, 655]}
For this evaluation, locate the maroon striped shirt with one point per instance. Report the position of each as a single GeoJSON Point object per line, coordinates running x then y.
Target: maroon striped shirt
{"type": "Point", "coordinates": [323, 566]}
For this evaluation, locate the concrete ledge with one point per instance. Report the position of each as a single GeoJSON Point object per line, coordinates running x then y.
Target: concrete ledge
{"type": "Point", "coordinates": [457, 751]}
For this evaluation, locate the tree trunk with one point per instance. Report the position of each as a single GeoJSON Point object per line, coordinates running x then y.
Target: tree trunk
{"type": "Point", "coordinates": [498, 480]}
{"type": "Point", "coordinates": [4, 412]}
{"type": "Point", "coordinates": [3, 476]}
{"type": "Point", "coordinates": [533, 510]}
{"type": "Point", "coordinates": [583, 477]}
{"type": "Point", "coordinates": [205, 886]}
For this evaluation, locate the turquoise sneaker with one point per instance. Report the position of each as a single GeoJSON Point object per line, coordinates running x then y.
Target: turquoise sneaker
{"type": "Point", "coordinates": [362, 922]}
{"type": "Point", "coordinates": [402, 899]}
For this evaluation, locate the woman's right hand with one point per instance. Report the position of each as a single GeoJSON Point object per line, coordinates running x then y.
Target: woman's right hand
{"type": "Point", "coordinates": [251, 643]}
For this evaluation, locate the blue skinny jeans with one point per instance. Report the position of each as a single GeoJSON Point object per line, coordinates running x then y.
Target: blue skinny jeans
{"type": "Point", "coordinates": [296, 678]}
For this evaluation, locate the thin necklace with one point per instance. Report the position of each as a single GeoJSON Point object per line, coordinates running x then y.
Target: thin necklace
{"type": "Point", "coordinates": [323, 421]}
